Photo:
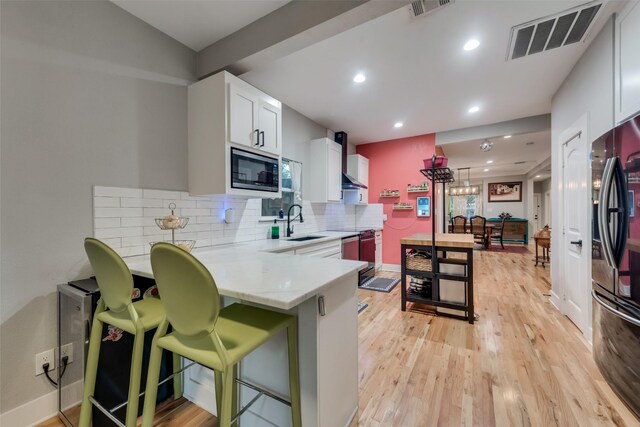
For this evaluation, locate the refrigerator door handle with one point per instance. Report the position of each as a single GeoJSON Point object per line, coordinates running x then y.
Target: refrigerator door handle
{"type": "Point", "coordinates": [621, 211]}
{"type": "Point", "coordinates": [603, 215]}
{"type": "Point", "coordinates": [613, 311]}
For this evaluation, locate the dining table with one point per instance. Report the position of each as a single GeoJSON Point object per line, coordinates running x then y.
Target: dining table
{"type": "Point", "coordinates": [489, 232]}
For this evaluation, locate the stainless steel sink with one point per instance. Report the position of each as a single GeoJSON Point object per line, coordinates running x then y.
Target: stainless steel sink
{"type": "Point", "coordinates": [305, 238]}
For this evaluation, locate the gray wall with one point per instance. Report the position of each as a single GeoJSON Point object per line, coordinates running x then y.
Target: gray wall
{"type": "Point", "coordinates": [90, 95]}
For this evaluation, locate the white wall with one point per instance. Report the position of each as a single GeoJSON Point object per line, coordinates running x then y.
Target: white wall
{"type": "Point", "coordinates": [587, 90]}
{"type": "Point", "coordinates": [516, 209]}
{"type": "Point", "coordinates": [90, 94]}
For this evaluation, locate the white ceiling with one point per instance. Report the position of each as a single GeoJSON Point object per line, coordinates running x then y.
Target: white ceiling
{"type": "Point", "coordinates": [199, 23]}
{"type": "Point", "coordinates": [505, 153]}
{"type": "Point", "coordinates": [418, 73]}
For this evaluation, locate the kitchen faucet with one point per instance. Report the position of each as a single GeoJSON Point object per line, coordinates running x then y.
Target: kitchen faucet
{"type": "Point", "coordinates": [289, 226]}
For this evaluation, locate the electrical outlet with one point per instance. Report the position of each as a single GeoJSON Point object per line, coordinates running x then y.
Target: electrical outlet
{"type": "Point", "coordinates": [45, 357]}
{"type": "Point", "coordinates": [67, 350]}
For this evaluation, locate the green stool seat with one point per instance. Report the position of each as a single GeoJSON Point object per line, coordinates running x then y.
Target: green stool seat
{"type": "Point", "coordinates": [241, 329]}
{"type": "Point", "coordinates": [116, 308]}
{"type": "Point", "coordinates": [150, 313]}
{"type": "Point", "coordinates": [213, 337]}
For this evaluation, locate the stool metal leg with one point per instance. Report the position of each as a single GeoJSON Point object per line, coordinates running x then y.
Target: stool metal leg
{"type": "Point", "coordinates": [294, 382]}
{"type": "Point", "coordinates": [91, 371]}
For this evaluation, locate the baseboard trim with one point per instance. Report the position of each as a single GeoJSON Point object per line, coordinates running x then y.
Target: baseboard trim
{"type": "Point", "coordinates": [32, 413]}
{"type": "Point", "coordinates": [555, 300]}
{"type": "Point", "coordinates": [391, 267]}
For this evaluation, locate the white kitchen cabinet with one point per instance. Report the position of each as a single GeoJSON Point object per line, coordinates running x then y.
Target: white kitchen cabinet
{"type": "Point", "coordinates": [378, 250]}
{"type": "Point", "coordinates": [627, 62]}
{"type": "Point", "coordinates": [325, 171]}
{"type": "Point", "coordinates": [337, 355]}
{"type": "Point", "coordinates": [226, 112]}
{"type": "Point", "coordinates": [324, 250]}
{"type": "Point", "coordinates": [358, 167]}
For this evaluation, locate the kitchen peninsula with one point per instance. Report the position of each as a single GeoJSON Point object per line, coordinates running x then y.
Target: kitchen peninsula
{"type": "Point", "coordinates": [322, 293]}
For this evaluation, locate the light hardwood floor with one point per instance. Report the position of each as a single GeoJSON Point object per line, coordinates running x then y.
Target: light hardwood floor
{"type": "Point", "coordinates": [521, 364]}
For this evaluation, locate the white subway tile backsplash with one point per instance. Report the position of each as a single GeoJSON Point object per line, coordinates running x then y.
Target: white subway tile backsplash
{"type": "Point", "coordinates": [154, 203]}
{"type": "Point", "coordinates": [129, 226]}
{"type": "Point", "coordinates": [116, 212]}
{"type": "Point", "coordinates": [106, 202]}
{"type": "Point", "coordinates": [195, 212]}
{"type": "Point", "coordinates": [181, 203]}
{"type": "Point", "coordinates": [161, 194]}
{"type": "Point", "coordinates": [136, 222]}
{"type": "Point", "coordinates": [106, 222]}
{"type": "Point", "coordinates": [210, 204]}
{"type": "Point", "coordinates": [131, 202]}
{"type": "Point", "coordinates": [118, 232]}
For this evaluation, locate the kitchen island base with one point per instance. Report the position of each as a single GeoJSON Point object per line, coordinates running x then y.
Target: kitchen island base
{"type": "Point", "coordinates": [442, 271]}
{"type": "Point", "coordinates": [328, 360]}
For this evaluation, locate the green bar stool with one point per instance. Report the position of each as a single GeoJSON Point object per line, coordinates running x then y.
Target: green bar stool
{"type": "Point", "coordinates": [116, 308]}
{"type": "Point", "coordinates": [215, 337]}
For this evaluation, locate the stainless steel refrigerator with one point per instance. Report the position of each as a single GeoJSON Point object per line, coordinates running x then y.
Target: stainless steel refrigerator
{"type": "Point", "coordinates": [616, 259]}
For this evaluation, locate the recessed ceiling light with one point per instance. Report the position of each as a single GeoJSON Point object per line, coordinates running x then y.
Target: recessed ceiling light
{"type": "Point", "coordinates": [486, 170]}
{"type": "Point", "coordinates": [471, 44]}
{"type": "Point", "coordinates": [359, 78]}
{"type": "Point", "coordinates": [507, 136]}
{"type": "Point", "coordinates": [398, 125]}
{"type": "Point", "coordinates": [489, 162]}
{"type": "Point", "coordinates": [474, 109]}
{"type": "Point", "coordinates": [537, 176]}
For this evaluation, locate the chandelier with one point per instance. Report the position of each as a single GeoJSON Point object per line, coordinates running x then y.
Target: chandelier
{"type": "Point", "coordinates": [467, 189]}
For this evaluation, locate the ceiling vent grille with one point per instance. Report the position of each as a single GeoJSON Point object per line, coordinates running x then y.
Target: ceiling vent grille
{"type": "Point", "coordinates": [422, 7]}
{"type": "Point", "coordinates": [550, 32]}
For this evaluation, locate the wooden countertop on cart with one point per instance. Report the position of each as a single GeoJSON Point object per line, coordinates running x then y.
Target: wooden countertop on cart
{"type": "Point", "coordinates": [450, 240]}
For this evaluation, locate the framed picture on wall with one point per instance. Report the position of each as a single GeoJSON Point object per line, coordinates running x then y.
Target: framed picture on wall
{"type": "Point", "coordinates": [632, 203]}
{"type": "Point", "coordinates": [424, 206]}
{"type": "Point", "coordinates": [500, 192]}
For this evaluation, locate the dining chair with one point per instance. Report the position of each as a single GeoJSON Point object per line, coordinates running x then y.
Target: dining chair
{"type": "Point", "coordinates": [479, 229]}
{"type": "Point", "coordinates": [115, 307]}
{"type": "Point", "coordinates": [213, 336]}
{"type": "Point", "coordinates": [459, 224]}
{"type": "Point", "coordinates": [498, 233]}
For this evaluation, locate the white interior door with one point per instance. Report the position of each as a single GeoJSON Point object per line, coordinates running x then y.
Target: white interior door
{"type": "Point", "coordinates": [537, 211]}
{"type": "Point", "coordinates": [576, 229]}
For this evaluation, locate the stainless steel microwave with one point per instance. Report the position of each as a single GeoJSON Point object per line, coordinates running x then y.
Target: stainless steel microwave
{"type": "Point", "coordinates": [251, 171]}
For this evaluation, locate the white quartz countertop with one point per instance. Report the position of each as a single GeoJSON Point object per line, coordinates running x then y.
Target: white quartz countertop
{"type": "Point", "coordinates": [256, 272]}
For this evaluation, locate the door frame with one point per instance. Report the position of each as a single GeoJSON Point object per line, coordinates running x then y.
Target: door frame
{"type": "Point", "coordinates": [558, 298]}
{"type": "Point", "coordinates": [537, 205]}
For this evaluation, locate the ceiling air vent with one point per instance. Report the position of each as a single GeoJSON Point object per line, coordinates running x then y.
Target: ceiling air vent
{"type": "Point", "coordinates": [551, 32]}
{"type": "Point", "coordinates": [421, 7]}
{"type": "Point", "coordinates": [520, 163]}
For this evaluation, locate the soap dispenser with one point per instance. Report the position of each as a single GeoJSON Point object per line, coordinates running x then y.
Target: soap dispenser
{"type": "Point", "coordinates": [275, 230]}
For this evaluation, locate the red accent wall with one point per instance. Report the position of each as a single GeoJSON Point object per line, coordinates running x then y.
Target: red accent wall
{"type": "Point", "coordinates": [392, 165]}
